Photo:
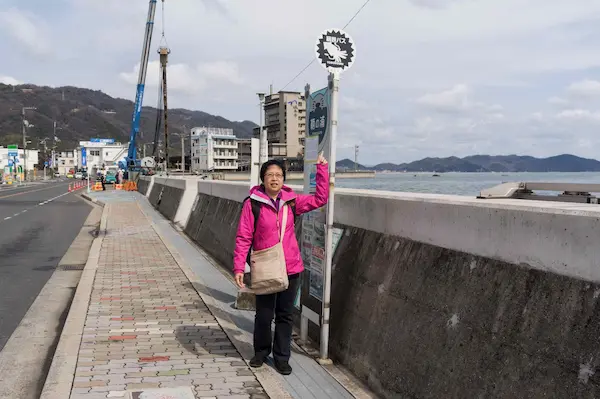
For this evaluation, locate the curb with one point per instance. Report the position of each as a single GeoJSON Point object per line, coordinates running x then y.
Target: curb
{"type": "Point", "coordinates": [267, 378]}
{"type": "Point", "coordinates": [59, 381]}
{"type": "Point", "coordinates": [94, 200]}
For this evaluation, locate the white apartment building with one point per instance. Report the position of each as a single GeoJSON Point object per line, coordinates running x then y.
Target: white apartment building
{"type": "Point", "coordinates": [92, 154]}
{"type": "Point", "coordinates": [285, 123]}
{"type": "Point", "coordinates": [66, 162]}
{"type": "Point", "coordinates": [213, 149]}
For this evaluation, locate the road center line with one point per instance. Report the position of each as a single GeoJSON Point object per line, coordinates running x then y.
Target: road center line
{"type": "Point", "coordinates": [39, 204]}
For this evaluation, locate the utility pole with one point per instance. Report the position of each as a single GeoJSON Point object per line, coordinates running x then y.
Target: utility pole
{"type": "Point", "coordinates": [355, 157]}
{"type": "Point", "coordinates": [182, 154]}
{"type": "Point", "coordinates": [164, 59]}
{"type": "Point", "coordinates": [263, 148]}
{"type": "Point", "coordinates": [183, 137]}
{"type": "Point", "coordinates": [23, 122]}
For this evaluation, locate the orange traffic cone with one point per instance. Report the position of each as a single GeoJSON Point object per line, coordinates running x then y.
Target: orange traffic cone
{"type": "Point", "coordinates": [69, 187]}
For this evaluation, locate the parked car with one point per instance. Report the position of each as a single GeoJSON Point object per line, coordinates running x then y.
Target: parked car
{"type": "Point", "coordinates": [110, 178]}
{"type": "Point", "coordinates": [79, 175]}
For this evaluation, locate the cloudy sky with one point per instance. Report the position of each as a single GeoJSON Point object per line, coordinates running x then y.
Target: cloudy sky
{"type": "Point", "coordinates": [431, 77]}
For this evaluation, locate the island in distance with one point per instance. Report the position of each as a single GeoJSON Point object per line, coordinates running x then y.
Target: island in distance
{"type": "Point", "coordinates": [486, 163]}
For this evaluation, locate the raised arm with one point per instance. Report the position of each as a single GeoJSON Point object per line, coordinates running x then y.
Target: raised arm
{"type": "Point", "coordinates": [243, 238]}
{"type": "Point", "coordinates": [310, 202]}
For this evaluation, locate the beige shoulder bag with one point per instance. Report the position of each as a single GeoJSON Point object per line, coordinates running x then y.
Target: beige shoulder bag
{"type": "Point", "coordinates": [268, 272]}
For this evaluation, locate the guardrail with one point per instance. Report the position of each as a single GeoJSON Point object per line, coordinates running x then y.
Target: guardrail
{"type": "Point", "coordinates": [567, 192]}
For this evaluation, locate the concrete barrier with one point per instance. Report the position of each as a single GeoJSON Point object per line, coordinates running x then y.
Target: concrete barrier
{"type": "Point", "coordinates": [166, 195]}
{"type": "Point", "coordinates": [143, 184]}
{"type": "Point", "coordinates": [449, 296]}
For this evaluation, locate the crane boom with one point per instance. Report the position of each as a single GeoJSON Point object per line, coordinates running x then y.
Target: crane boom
{"type": "Point", "coordinates": [132, 161]}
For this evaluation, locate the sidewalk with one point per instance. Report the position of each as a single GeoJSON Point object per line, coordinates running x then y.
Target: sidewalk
{"type": "Point", "coordinates": [155, 323]}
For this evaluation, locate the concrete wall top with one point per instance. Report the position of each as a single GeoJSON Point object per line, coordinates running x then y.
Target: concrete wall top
{"type": "Point", "coordinates": [550, 236]}
{"type": "Point", "coordinates": [171, 182]}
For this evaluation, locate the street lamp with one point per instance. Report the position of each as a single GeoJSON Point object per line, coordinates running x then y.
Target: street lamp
{"type": "Point", "coordinates": [25, 125]}
{"type": "Point", "coordinates": [263, 150]}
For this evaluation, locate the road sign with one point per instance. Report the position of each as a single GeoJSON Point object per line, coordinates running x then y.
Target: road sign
{"type": "Point", "coordinates": [10, 162]}
{"type": "Point", "coordinates": [12, 147]}
{"type": "Point", "coordinates": [103, 141]}
{"type": "Point", "coordinates": [83, 156]}
{"type": "Point", "coordinates": [335, 50]}
{"type": "Point", "coordinates": [46, 164]}
{"type": "Point", "coordinates": [13, 154]}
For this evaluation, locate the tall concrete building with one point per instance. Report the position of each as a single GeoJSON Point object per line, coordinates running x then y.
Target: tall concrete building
{"type": "Point", "coordinates": [285, 123]}
{"type": "Point", "coordinates": [214, 149]}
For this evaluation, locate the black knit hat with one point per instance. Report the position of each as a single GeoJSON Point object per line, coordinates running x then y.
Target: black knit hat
{"type": "Point", "coordinates": [265, 166]}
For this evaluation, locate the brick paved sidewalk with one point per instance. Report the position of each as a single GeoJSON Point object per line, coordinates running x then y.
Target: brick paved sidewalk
{"type": "Point", "coordinates": [146, 327]}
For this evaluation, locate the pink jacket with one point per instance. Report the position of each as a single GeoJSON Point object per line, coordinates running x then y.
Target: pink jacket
{"type": "Point", "coordinates": [267, 234]}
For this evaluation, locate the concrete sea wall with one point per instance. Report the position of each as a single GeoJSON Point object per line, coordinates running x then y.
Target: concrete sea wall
{"type": "Point", "coordinates": [447, 296]}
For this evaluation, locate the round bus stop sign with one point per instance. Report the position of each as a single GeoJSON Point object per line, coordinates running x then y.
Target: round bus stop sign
{"type": "Point", "coordinates": [335, 50]}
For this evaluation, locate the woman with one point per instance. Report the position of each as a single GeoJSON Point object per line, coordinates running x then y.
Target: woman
{"type": "Point", "coordinates": [272, 195]}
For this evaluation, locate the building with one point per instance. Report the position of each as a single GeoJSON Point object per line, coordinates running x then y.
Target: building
{"type": "Point", "coordinates": [213, 149]}
{"type": "Point", "coordinates": [285, 123]}
{"type": "Point", "coordinates": [244, 153]}
{"type": "Point", "coordinates": [6, 162]}
{"type": "Point", "coordinates": [91, 155]}
{"type": "Point", "coordinates": [67, 162]}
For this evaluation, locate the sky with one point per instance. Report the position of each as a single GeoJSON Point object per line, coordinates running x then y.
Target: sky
{"type": "Point", "coordinates": [431, 77]}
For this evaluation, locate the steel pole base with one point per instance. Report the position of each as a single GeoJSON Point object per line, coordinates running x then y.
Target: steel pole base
{"type": "Point", "coordinates": [324, 362]}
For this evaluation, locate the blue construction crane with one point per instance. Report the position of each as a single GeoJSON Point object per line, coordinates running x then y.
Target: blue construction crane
{"type": "Point", "coordinates": [132, 162]}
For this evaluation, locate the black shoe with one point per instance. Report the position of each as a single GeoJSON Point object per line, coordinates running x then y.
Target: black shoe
{"type": "Point", "coordinates": [283, 367]}
{"type": "Point", "coordinates": [257, 361]}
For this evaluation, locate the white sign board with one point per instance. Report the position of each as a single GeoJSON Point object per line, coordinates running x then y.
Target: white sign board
{"type": "Point", "coordinates": [335, 50]}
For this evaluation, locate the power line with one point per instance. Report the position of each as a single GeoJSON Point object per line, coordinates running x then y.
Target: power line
{"type": "Point", "coordinates": [314, 59]}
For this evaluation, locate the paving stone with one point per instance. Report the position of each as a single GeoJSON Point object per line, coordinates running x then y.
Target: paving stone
{"type": "Point", "coordinates": [147, 327]}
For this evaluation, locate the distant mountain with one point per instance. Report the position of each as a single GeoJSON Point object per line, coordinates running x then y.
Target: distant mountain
{"type": "Point", "coordinates": [82, 114]}
{"type": "Point", "coordinates": [492, 163]}
{"type": "Point", "coordinates": [349, 164]}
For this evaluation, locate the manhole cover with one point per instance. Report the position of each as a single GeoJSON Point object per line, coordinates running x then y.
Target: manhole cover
{"type": "Point", "coordinates": [71, 267]}
{"type": "Point", "coordinates": [164, 393]}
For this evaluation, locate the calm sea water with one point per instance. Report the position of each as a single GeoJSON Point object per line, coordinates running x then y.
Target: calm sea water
{"type": "Point", "coordinates": [457, 183]}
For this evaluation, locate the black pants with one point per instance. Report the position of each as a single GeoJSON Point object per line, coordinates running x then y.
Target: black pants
{"type": "Point", "coordinates": [281, 305]}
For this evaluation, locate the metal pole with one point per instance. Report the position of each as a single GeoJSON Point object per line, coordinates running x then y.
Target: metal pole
{"type": "Point", "coordinates": [264, 151]}
{"type": "Point", "coordinates": [334, 80]}
{"type": "Point", "coordinates": [182, 155]}
{"type": "Point", "coordinates": [24, 145]}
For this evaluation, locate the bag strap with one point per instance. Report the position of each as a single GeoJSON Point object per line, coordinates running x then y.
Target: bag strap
{"type": "Point", "coordinates": [255, 210]}
{"type": "Point", "coordinates": [283, 223]}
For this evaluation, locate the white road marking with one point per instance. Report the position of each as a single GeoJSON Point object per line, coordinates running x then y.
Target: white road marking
{"type": "Point", "coordinates": [40, 204]}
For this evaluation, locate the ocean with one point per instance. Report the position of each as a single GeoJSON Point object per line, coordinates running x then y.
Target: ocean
{"type": "Point", "coordinates": [469, 184]}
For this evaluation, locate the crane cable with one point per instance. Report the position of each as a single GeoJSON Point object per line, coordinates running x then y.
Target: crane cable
{"type": "Point", "coordinates": [163, 38]}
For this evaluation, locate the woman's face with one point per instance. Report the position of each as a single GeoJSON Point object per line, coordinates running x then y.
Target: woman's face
{"type": "Point", "coordinates": [273, 180]}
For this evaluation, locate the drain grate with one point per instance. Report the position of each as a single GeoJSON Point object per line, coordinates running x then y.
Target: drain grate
{"type": "Point", "coordinates": [71, 267]}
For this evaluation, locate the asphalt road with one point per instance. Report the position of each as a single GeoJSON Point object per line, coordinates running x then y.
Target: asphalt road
{"type": "Point", "coordinates": [37, 226]}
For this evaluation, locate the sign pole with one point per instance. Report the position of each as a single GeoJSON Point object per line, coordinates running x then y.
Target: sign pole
{"type": "Point", "coordinates": [336, 52]}
{"type": "Point", "coordinates": [334, 80]}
